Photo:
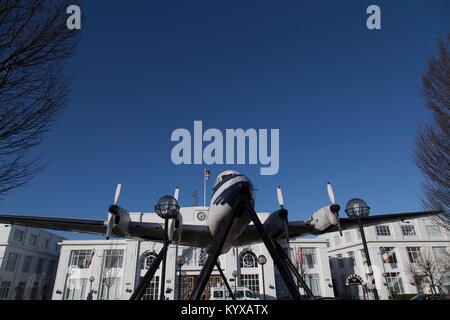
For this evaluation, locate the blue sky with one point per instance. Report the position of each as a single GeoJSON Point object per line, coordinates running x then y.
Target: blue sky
{"type": "Point", "coordinates": [345, 98]}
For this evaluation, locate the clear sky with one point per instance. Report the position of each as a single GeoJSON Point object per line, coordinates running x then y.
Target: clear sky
{"type": "Point", "coordinates": [345, 99]}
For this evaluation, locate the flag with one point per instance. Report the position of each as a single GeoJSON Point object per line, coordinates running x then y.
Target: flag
{"type": "Point", "coordinates": [207, 174]}
{"type": "Point", "coordinates": [91, 258]}
{"type": "Point", "coordinates": [385, 255]}
{"type": "Point", "coordinates": [300, 255]}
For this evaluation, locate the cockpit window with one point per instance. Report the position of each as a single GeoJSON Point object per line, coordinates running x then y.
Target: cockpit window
{"type": "Point", "coordinates": [223, 176]}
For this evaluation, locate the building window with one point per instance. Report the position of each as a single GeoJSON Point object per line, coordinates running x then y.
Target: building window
{"type": "Point", "coordinates": [389, 256]}
{"type": "Point", "coordinates": [4, 289]}
{"type": "Point", "coordinates": [147, 259]}
{"type": "Point", "coordinates": [441, 254]}
{"type": "Point", "coordinates": [26, 264]}
{"type": "Point", "coordinates": [248, 259]}
{"type": "Point", "coordinates": [433, 231]}
{"type": "Point", "coordinates": [110, 288]}
{"type": "Point", "coordinates": [33, 240]}
{"type": "Point", "coordinates": [351, 258]}
{"type": "Point", "coordinates": [308, 256]}
{"type": "Point", "coordinates": [45, 243]}
{"type": "Point", "coordinates": [151, 293]}
{"type": "Point", "coordinates": [337, 241]}
{"type": "Point", "coordinates": [113, 258]}
{"type": "Point", "coordinates": [408, 230]}
{"type": "Point", "coordinates": [313, 282]}
{"type": "Point", "coordinates": [414, 254]}
{"type": "Point", "coordinates": [34, 290]}
{"type": "Point", "coordinates": [394, 282]}
{"type": "Point", "coordinates": [202, 256]}
{"type": "Point", "coordinates": [75, 289]}
{"type": "Point", "coordinates": [12, 261]}
{"type": "Point", "coordinates": [383, 230]}
{"type": "Point", "coordinates": [348, 237]}
{"type": "Point", "coordinates": [20, 289]}
{"type": "Point", "coordinates": [40, 266]}
{"type": "Point", "coordinates": [18, 235]}
{"type": "Point", "coordinates": [251, 281]}
{"type": "Point", "coordinates": [80, 258]}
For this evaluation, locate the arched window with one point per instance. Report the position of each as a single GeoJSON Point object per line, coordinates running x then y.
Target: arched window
{"type": "Point", "coordinates": [147, 259]}
{"type": "Point", "coordinates": [248, 259]}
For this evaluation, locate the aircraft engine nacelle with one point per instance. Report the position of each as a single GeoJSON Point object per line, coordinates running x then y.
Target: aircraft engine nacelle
{"type": "Point", "coordinates": [176, 228]}
{"type": "Point", "coordinates": [121, 219]}
{"type": "Point", "coordinates": [323, 218]}
{"type": "Point", "coordinates": [275, 224]}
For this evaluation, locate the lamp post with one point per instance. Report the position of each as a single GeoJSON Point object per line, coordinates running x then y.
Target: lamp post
{"type": "Point", "coordinates": [180, 262]}
{"type": "Point", "coordinates": [262, 261]}
{"type": "Point", "coordinates": [235, 275]}
{"type": "Point", "coordinates": [358, 209]}
{"type": "Point", "coordinates": [91, 280]}
{"type": "Point", "coordinates": [167, 208]}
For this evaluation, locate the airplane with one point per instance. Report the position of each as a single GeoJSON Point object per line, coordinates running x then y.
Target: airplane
{"type": "Point", "coordinates": [233, 195]}
{"type": "Point", "coordinates": [228, 185]}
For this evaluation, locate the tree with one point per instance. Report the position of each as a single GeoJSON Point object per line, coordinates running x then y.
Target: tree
{"type": "Point", "coordinates": [35, 45]}
{"type": "Point", "coordinates": [432, 151]}
{"type": "Point", "coordinates": [430, 269]}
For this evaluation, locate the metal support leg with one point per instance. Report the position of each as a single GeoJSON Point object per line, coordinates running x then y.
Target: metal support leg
{"type": "Point", "coordinates": [163, 270]}
{"type": "Point", "coordinates": [225, 281]}
{"type": "Point", "coordinates": [212, 258]}
{"type": "Point", "coordinates": [281, 265]}
{"type": "Point", "coordinates": [140, 290]}
{"type": "Point", "coordinates": [288, 261]}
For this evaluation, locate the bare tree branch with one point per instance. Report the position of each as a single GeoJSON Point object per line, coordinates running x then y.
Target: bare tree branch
{"type": "Point", "coordinates": [34, 87]}
{"type": "Point", "coordinates": [432, 152]}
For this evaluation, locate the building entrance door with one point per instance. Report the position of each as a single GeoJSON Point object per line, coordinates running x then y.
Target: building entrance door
{"type": "Point", "coordinates": [188, 283]}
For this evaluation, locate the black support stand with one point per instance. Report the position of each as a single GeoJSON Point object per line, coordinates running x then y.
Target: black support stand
{"type": "Point", "coordinates": [225, 281]}
{"type": "Point", "coordinates": [140, 290]}
{"type": "Point", "coordinates": [212, 258]}
{"type": "Point", "coordinates": [161, 257]}
{"type": "Point", "coordinates": [288, 261]}
{"type": "Point", "coordinates": [281, 265]}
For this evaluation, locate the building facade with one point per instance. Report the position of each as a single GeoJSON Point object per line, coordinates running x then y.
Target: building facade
{"type": "Point", "coordinates": [112, 269]}
{"type": "Point", "coordinates": [28, 261]}
{"type": "Point", "coordinates": [399, 253]}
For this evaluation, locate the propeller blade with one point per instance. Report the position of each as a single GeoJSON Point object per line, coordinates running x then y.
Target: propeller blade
{"type": "Point", "coordinates": [177, 191]}
{"type": "Point", "coordinates": [116, 196]}
{"type": "Point", "coordinates": [330, 192]}
{"type": "Point", "coordinates": [280, 197]}
{"type": "Point", "coordinates": [109, 226]}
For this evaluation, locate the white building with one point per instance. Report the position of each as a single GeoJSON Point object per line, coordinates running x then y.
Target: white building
{"type": "Point", "coordinates": [28, 260]}
{"type": "Point", "coordinates": [118, 265]}
{"type": "Point", "coordinates": [404, 243]}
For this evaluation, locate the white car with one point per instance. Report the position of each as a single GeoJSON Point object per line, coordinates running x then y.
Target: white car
{"type": "Point", "coordinates": [241, 293]}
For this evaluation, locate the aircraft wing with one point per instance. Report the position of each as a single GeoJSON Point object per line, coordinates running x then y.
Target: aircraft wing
{"type": "Point", "coordinates": [192, 235]}
{"type": "Point", "coordinates": [96, 227]}
{"type": "Point", "coordinates": [305, 228]}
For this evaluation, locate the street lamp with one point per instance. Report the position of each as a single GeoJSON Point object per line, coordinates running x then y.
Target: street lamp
{"type": "Point", "coordinates": [91, 280]}
{"type": "Point", "coordinates": [358, 209]}
{"type": "Point", "coordinates": [180, 262]}
{"type": "Point", "coordinates": [235, 275]}
{"type": "Point", "coordinates": [262, 261]}
{"type": "Point", "coordinates": [166, 208]}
